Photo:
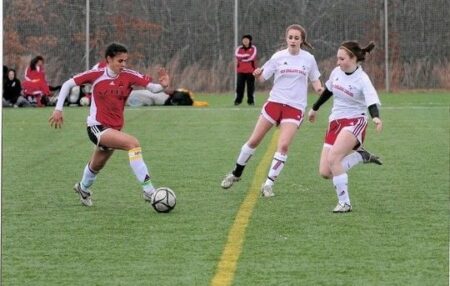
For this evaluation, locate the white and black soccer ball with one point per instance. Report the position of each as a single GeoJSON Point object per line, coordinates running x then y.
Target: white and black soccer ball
{"type": "Point", "coordinates": [85, 101]}
{"type": "Point", "coordinates": [164, 200]}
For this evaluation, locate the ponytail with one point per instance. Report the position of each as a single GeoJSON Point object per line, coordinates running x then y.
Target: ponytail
{"type": "Point", "coordinates": [369, 47]}
{"type": "Point", "coordinates": [354, 50]}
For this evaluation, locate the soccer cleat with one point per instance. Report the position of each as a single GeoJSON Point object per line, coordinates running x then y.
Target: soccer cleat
{"type": "Point", "coordinates": [85, 196]}
{"type": "Point", "coordinates": [266, 191]}
{"type": "Point", "coordinates": [342, 208]}
{"type": "Point", "coordinates": [229, 180]}
{"type": "Point", "coordinates": [148, 197]}
{"type": "Point", "coordinates": [368, 157]}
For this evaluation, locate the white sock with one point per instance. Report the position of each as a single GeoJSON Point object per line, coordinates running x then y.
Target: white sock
{"type": "Point", "coordinates": [277, 165]}
{"type": "Point", "coordinates": [88, 178]}
{"type": "Point", "coordinates": [140, 169]}
{"type": "Point", "coordinates": [341, 186]}
{"type": "Point", "coordinates": [351, 160]}
{"type": "Point", "coordinates": [245, 155]}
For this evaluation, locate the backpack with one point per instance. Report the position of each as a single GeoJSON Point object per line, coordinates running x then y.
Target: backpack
{"type": "Point", "coordinates": [180, 97]}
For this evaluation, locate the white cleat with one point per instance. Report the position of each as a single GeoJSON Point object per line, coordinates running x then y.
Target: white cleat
{"type": "Point", "coordinates": [266, 191]}
{"type": "Point", "coordinates": [229, 180]}
{"type": "Point", "coordinates": [85, 196]}
{"type": "Point", "coordinates": [148, 197]}
{"type": "Point", "coordinates": [342, 208]}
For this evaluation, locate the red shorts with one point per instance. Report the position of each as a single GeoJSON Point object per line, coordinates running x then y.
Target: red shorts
{"type": "Point", "coordinates": [357, 126]}
{"type": "Point", "coordinates": [278, 113]}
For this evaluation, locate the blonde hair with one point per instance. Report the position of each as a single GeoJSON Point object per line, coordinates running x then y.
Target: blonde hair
{"type": "Point", "coordinates": [302, 32]}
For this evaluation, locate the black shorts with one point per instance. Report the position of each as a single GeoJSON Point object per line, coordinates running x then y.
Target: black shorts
{"type": "Point", "coordinates": [94, 133]}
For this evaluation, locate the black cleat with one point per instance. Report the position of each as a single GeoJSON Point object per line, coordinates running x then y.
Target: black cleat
{"type": "Point", "coordinates": [368, 157]}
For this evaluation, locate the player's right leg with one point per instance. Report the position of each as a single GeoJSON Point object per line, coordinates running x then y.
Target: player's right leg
{"type": "Point", "coordinates": [324, 166]}
{"type": "Point", "coordinates": [85, 195]}
{"type": "Point", "coordinates": [344, 143]}
{"type": "Point", "coordinates": [240, 86]}
{"type": "Point", "coordinates": [98, 160]}
{"type": "Point", "coordinates": [248, 149]}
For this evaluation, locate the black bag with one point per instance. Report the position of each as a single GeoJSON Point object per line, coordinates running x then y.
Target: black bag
{"type": "Point", "coordinates": [180, 97]}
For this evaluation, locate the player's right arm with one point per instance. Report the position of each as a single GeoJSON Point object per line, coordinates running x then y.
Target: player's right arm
{"type": "Point", "coordinates": [56, 119]}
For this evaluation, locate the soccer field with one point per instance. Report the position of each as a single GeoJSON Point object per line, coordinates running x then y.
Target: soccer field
{"type": "Point", "coordinates": [397, 233]}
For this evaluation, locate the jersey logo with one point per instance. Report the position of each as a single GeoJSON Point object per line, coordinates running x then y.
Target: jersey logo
{"type": "Point", "coordinates": [111, 83]}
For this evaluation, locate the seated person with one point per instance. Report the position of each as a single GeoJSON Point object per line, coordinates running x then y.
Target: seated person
{"type": "Point", "coordinates": [12, 91]}
{"type": "Point", "coordinates": [178, 96]}
{"type": "Point", "coordinates": [144, 97]}
{"type": "Point", "coordinates": [35, 86]}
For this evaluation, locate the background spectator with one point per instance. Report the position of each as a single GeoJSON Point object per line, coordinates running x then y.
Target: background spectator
{"type": "Point", "coordinates": [245, 56]}
{"type": "Point", "coordinates": [12, 91]}
{"type": "Point", "coordinates": [35, 86]}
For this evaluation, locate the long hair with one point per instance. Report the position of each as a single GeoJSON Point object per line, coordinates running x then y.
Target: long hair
{"type": "Point", "coordinates": [302, 33]}
{"type": "Point", "coordinates": [353, 49]}
{"type": "Point", "coordinates": [34, 62]}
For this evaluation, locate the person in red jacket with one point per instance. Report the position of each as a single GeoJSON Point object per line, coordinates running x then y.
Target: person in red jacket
{"type": "Point", "coordinates": [35, 85]}
{"type": "Point", "coordinates": [246, 63]}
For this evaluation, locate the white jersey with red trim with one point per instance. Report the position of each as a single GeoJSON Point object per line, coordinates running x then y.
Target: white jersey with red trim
{"type": "Point", "coordinates": [291, 74]}
{"type": "Point", "coordinates": [109, 94]}
{"type": "Point", "coordinates": [352, 94]}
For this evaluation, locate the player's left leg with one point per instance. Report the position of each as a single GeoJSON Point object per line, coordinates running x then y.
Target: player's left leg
{"type": "Point", "coordinates": [250, 89]}
{"type": "Point", "coordinates": [287, 134]}
{"type": "Point", "coordinates": [119, 140]}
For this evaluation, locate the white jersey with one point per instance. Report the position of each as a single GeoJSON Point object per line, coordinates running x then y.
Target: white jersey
{"type": "Point", "coordinates": [291, 74]}
{"type": "Point", "coordinates": [352, 93]}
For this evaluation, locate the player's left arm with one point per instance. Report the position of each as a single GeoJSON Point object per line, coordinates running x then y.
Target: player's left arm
{"type": "Point", "coordinates": [375, 114]}
{"type": "Point", "coordinates": [164, 81]}
{"type": "Point", "coordinates": [257, 73]}
{"type": "Point", "coordinates": [372, 102]}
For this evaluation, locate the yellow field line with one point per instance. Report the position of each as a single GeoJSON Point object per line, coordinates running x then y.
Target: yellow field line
{"type": "Point", "coordinates": [230, 255]}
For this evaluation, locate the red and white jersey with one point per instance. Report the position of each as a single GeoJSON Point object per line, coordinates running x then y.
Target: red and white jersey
{"type": "Point", "coordinates": [352, 93]}
{"type": "Point", "coordinates": [245, 59]}
{"type": "Point", "coordinates": [109, 94]}
{"type": "Point", "coordinates": [101, 64]}
{"type": "Point", "coordinates": [291, 74]}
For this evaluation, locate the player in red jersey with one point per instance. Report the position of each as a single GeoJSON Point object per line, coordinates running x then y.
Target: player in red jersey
{"type": "Point", "coordinates": [111, 86]}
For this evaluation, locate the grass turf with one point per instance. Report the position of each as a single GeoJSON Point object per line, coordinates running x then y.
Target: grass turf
{"type": "Point", "coordinates": [396, 235]}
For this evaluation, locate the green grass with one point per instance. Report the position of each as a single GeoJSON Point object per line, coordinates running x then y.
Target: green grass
{"type": "Point", "coordinates": [396, 235]}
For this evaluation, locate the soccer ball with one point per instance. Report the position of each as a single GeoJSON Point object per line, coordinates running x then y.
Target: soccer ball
{"type": "Point", "coordinates": [164, 200]}
{"type": "Point", "coordinates": [85, 101]}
